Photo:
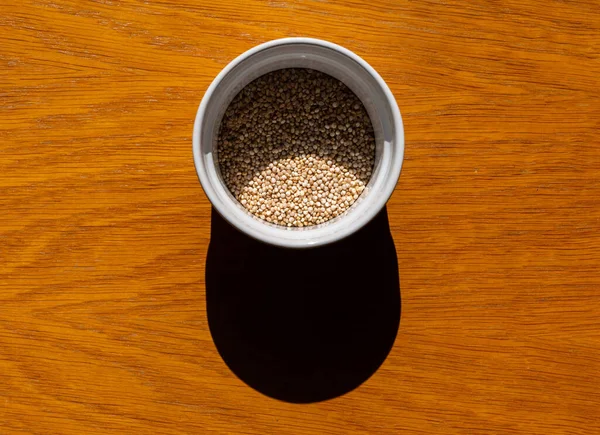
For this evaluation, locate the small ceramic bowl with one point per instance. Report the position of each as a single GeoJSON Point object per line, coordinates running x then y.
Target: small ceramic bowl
{"type": "Point", "coordinates": [331, 59]}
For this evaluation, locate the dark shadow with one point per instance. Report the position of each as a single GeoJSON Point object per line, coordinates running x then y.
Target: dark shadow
{"type": "Point", "coordinates": [303, 325]}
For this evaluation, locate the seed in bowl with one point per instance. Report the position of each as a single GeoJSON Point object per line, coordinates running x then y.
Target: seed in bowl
{"type": "Point", "coordinates": [296, 147]}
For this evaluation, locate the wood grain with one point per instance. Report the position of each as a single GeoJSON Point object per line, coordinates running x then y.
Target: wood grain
{"type": "Point", "coordinates": [104, 228]}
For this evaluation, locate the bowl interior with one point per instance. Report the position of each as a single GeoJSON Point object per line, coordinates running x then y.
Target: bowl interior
{"type": "Point", "coordinates": [345, 67]}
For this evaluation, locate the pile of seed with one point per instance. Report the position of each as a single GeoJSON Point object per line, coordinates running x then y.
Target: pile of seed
{"type": "Point", "coordinates": [296, 147]}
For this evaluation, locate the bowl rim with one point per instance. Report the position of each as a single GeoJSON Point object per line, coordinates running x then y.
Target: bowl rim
{"type": "Point", "coordinates": [382, 198]}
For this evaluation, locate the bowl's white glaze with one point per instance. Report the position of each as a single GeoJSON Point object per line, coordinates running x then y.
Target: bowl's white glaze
{"type": "Point", "coordinates": [331, 59]}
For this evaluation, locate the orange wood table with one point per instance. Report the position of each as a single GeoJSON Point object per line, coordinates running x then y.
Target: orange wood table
{"type": "Point", "coordinates": [104, 229]}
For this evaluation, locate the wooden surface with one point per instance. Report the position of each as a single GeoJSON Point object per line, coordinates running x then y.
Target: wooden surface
{"type": "Point", "coordinates": [104, 228]}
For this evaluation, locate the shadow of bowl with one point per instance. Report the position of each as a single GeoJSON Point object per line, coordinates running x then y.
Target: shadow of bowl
{"type": "Point", "coordinates": [303, 325]}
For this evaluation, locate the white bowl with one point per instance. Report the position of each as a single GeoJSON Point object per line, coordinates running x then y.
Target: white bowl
{"type": "Point", "coordinates": [331, 59]}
